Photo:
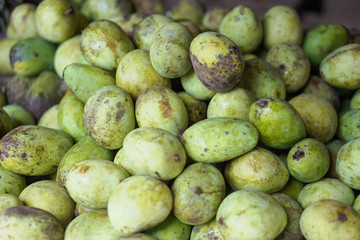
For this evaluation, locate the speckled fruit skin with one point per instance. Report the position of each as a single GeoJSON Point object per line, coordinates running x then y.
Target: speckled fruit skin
{"type": "Point", "coordinates": [213, 17]}
{"type": "Point", "coordinates": [10, 182]}
{"type": "Point", "coordinates": [104, 9]}
{"type": "Point", "coordinates": [125, 163]}
{"type": "Point", "coordinates": [103, 43]}
{"type": "Point", "coordinates": [8, 201]}
{"type": "Point", "coordinates": [355, 100]}
{"type": "Point", "coordinates": [308, 160]}
{"type": "Point", "coordinates": [243, 26]}
{"type": "Point", "coordinates": [348, 164]}
{"type": "Point", "coordinates": [209, 231]}
{"type": "Point", "coordinates": [193, 86]}
{"type": "Point", "coordinates": [349, 125]}
{"type": "Point", "coordinates": [109, 116]}
{"type": "Point", "coordinates": [198, 192]}
{"type": "Point", "coordinates": [258, 169]}
{"type": "Point", "coordinates": [22, 22]}
{"type": "Point", "coordinates": [219, 139]}
{"type": "Point", "coordinates": [68, 52]}
{"type": "Point", "coordinates": [33, 150]}
{"type": "Point", "coordinates": [356, 204]}
{"type": "Point", "coordinates": [339, 68]}
{"type": "Point", "coordinates": [139, 203]}
{"type": "Point", "coordinates": [23, 222]}
{"type": "Point", "coordinates": [325, 188]}
{"type": "Point", "coordinates": [330, 220]}
{"type": "Point", "coordinates": [217, 61]}
{"type": "Point", "coordinates": [250, 214]}
{"type": "Point", "coordinates": [195, 108]}
{"type": "Point", "coordinates": [279, 124]}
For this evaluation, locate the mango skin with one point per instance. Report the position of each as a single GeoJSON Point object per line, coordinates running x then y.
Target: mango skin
{"type": "Point", "coordinates": [31, 56]}
{"type": "Point", "coordinates": [124, 162]}
{"type": "Point", "coordinates": [356, 204]}
{"type": "Point", "coordinates": [339, 67]}
{"type": "Point", "coordinates": [217, 61]}
{"type": "Point", "coordinates": [188, 9]}
{"type": "Point", "coordinates": [349, 125]}
{"type": "Point", "coordinates": [198, 192]}
{"type": "Point", "coordinates": [8, 201]}
{"type": "Point", "coordinates": [19, 115]}
{"type": "Point", "coordinates": [330, 220]}
{"type": "Point", "coordinates": [23, 222]}
{"type": "Point", "coordinates": [10, 182]}
{"type": "Point", "coordinates": [5, 46]}
{"type": "Point", "coordinates": [219, 139]}
{"type": "Point", "coordinates": [278, 123]}
{"type": "Point", "coordinates": [213, 17]}
{"type": "Point", "coordinates": [83, 80]}
{"type": "Point", "coordinates": [355, 100]}
{"type": "Point", "coordinates": [6, 123]}
{"type": "Point", "coordinates": [33, 150]}
{"type": "Point", "coordinates": [16, 89]}
{"type": "Point", "coordinates": [196, 109]}
{"type": "Point", "coordinates": [50, 118]}
{"type": "Point", "coordinates": [193, 86]}
{"type": "Point", "coordinates": [292, 188]}
{"type": "Point", "coordinates": [207, 230]}
{"type": "Point", "coordinates": [22, 22]}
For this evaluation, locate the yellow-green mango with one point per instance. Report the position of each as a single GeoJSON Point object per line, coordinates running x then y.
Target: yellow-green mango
{"type": "Point", "coordinates": [259, 169]}
{"type": "Point", "coordinates": [161, 107]}
{"type": "Point", "coordinates": [149, 6]}
{"type": "Point", "coordinates": [292, 62]}
{"type": "Point", "coordinates": [193, 27]}
{"type": "Point", "coordinates": [334, 146]}
{"type": "Point", "coordinates": [356, 204]}
{"type": "Point", "coordinates": [33, 150]}
{"type": "Point", "coordinates": [8, 201]}
{"type": "Point", "coordinates": [137, 236]}
{"type": "Point", "coordinates": [349, 125]}
{"type": "Point", "coordinates": [129, 23]}
{"type": "Point", "coordinates": [292, 187]}
{"type": "Point", "coordinates": [135, 73]}
{"type": "Point", "coordinates": [219, 139]}
{"type": "Point", "coordinates": [250, 214]}
{"type": "Point", "coordinates": [188, 9]}
{"type": "Point", "coordinates": [348, 164]}
{"type": "Point", "coordinates": [92, 225]}
{"type": "Point", "coordinates": [355, 100]}
{"type": "Point", "coordinates": [70, 116]}
{"type": "Point", "coordinates": [19, 115]}
{"type": "Point", "coordinates": [312, 108]}
{"type": "Point", "coordinates": [103, 43]}
{"type": "Point", "coordinates": [213, 17]}
{"type": "Point", "coordinates": [282, 24]}
{"type": "Point", "coordinates": [23, 222]}
{"type": "Point", "coordinates": [109, 116]}
{"type": "Point", "coordinates": [49, 196]}
{"type": "Point", "coordinates": [50, 118]}
{"type": "Point", "coordinates": [280, 126]}
{"type": "Point", "coordinates": [308, 160]}
{"type": "Point", "coordinates": [209, 231]}
{"type": "Point", "coordinates": [5, 46]}
{"type": "Point", "coordinates": [193, 86]}
{"type": "Point", "coordinates": [10, 182]}
{"type": "Point", "coordinates": [235, 103]}
{"type": "Point", "coordinates": [262, 79]}
{"type": "Point", "coordinates": [84, 149]}
{"type": "Point", "coordinates": [6, 123]}
{"type": "Point", "coordinates": [83, 80]}
{"type": "Point", "coordinates": [103, 9]}
{"type": "Point", "coordinates": [243, 26]}
{"type": "Point", "coordinates": [86, 180]}
{"type": "Point", "coordinates": [330, 220]}
{"type": "Point", "coordinates": [139, 203]}
{"type": "Point", "coordinates": [147, 28]}
{"type": "Point", "coordinates": [217, 61]}
{"type": "Point", "coordinates": [325, 188]}
{"type": "Point", "coordinates": [17, 88]}
{"type": "Point", "coordinates": [170, 228]}
{"type": "Point", "coordinates": [80, 209]}
{"type": "Point", "coordinates": [339, 68]}
{"type": "Point", "coordinates": [31, 56]}
{"type": "Point", "coordinates": [56, 20]}
{"type": "Point", "coordinates": [169, 51]}
{"type": "Point", "coordinates": [248, 56]}
{"type": "Point", "coordinates": [155, 152]}
{"type": "Point", "coordinates": [22, 22]}
{"type": "Point", "coordinates": [198, 192]}
{"type": "Point", "coordinates": [196, 109]}
{"type": "Point", "coordinates": [125, 163]}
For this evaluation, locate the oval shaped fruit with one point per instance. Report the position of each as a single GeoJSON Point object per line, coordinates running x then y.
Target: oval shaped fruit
{"type": "Point", "coordinates": [50, 118]}
{"type": "Point", "coordinates": [213, 17]}
{"type": "Point", "coordinates": [355, 100]}
{"type": "Point", "coordinates": [209, 231]}
{"type": "Point", "coordinates": [250, 214]}
{"type": "Point", "coordinates": [219, 139]}
{"type": "Point", "coordinates": [103, 9]}
{"type": "Point", "coordinates": [19, 115]}
{"type": "Point", "coordinates": [6, 124]}
{"type": "Point", "coordinates": [109, 116]}
{"type": "Point", "coordinates": [5, 47]}
{"type": "Point", "coordinates": [124, 162]}
{"type": "Point", "coordinates": [8, 201]}
{"type": "Point", "coordinates": [217, 61]}
{"type": "Point", "coordinates": [349, 125]}
{"type": "Point", "coordinates": [33, 150]}
{"type": "Point", "coordinates": [196, 109]}
{"type": "Point", "coordinates": [193, 86]}
{"type": "Point", "coordinates": [198, 192]}
{"type": "Point", "coordinates": [22, 22]}
{"type": "Point", "coordinates": [10, 182]}
{"type": "Point", "coordinates": [187, 9]}
{"type": "Point", "coordinates": [292, 188]}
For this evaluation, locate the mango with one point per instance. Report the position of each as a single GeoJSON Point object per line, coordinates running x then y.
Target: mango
{"type": "Point", "coordinates": [193, 86]}
{"type": "Point", "coordinates": [19, 115]}
{"type": "Point", "coordinates": [103, 9]}
{"type": "Point", "coordinates": [50, 117]}
{"type": "Point", "coordinates": [10, 182]}
{"type": "Point", "coordinates": [187, 9]}
{"type": "Point", "coordinates": [6, 123]}
{"type": "Point", "coordinates": [8, 201]}
{"type": "Point", "coordinates": [5, 47]}
{"type": "Point", "coordinates": [213, 17]}
{"type": "Point", "coordinates": [149, 6]}
{"type": "Point", "coordinates": [196, 109]}
{"type": "Point", "coordinates": [22, 22]}
{"type": "Point", "coordinates": [349, 125]}
{"type": "Point", "coordinates": [207, 230]}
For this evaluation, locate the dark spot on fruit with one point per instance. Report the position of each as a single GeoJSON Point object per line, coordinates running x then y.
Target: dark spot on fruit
{"type": "Point", "coordinates": [165, 109]}
{"type": "Point", "coordinates": [298, 154]}
{"type": "Point", "coordinates": [263, 103]}
{"type": "Point", "coordinates": [36, 54]}
{"type": "Point", "coordinates": [244, 133]}
{"type": "Point", "coordinates": [227, 132]}
{"type": "Point", "coordinates": [221, 221]}
{"type": "Point", "coordinates": [68, 11]}
{"type": "Point", "coordinates": [176, 157]}
{"type": "Point", "coordinates": [84, 169]}
{"type": "Point", "coordinates": [23, 155]}
{"type": "Point", "coordinates": [282, 66]}
{"type": "Point", "coordinates": [119, 114]}
{"type": "Point", "coordinates": [342, 217]}
{"type": "Point", "coordinates": [206, 149]}
{"type": "Point", "coordinates": [198, 190]}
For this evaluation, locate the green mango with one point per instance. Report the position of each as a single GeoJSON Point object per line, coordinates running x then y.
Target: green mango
{"type": "Point", "coordinates": [219, 139]}
{"type": "Point", "coordinates": [5, 47]}
{"type": "Point", "coordinates": [198, 192]}
{"type": "Point", "coordinates": [80, 209]}
{"type": "Point", "coordinates": [262, 79]}
{"type": "Point", "coordinates": [19, 115]}
{"type": "Point", "coordinates": [213, 17]}
{"type": "Point", "coordinates": [349, 124]}
{"type": "Point", "coordinates": [193, 86]}
{"type": "Point", "coordinates": [356, 204]}
{"type": "Point", "coordinates": [193, 28]}
{"type": "Point", "coordinates": [243, 26]}
{"type": "Point", "coordinates": [31, 56]}
{"type": "Point", "coordinates": [125, 163]}
{"type": "Point", "coordinates": [196, 109]}
{"type": "Point", "coordinates": [106, 8]}
{"type": "Point", "coordinates": [70, 116]}
{"type": "Point", "coordinates": [10, 182]}
{"type": "Point", "coordinates": [217, 61]}
{"type": "Point", "coordinates": [129, 23]}
{"type": "Point", "coordinates": [84, 149]}
{"type": "Point", "coordinates": [149, 6]}
{"type": "Point", "coordinates": [209, 231]}
{"type": "Point", "coordinates": [355, 100]}
{"type": "Point", "coordinates": [280, 126]}
{"type": "Point", "coordinates": [339, 68]}
{"type": "Point", "coordinates": [50, 118]}
{"type": "Point", "coordinates": [90, 226]}
{"type": "Point", "coordinates": [334, 146]}
{"type": "Point", "coordinates": [34, 223]}
{"type": "Point", "coordinates": [6, 123]}
{"type": "Point", "coordinates": [8, 201]}
{"type": "Point", "coordinates": [292, 188]}
{"type": "Point", "coordinates": [188, 9]}
{"type": "Point", "coordinates": [17, 88]}
{"type": "Point", "coordinates": [308, 160]}
{"type": "Point", "coordinates": [33, 150]}
{"type": "Point", "coordinates": [137, 236]}
{"type": "Point", "coordinates": [171, 61]}
{"type": "Point", "coordinates": [22, 22]}
{"type": "Point", "coordinates": [83, 80]}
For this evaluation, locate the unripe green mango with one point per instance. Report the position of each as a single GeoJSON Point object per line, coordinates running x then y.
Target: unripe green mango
{"type": "Point", "coordinates": [280, 126]}
{"type": "Point", "coordinates": [6, 123]}
{"type": "Point", "coordinates": [356, 204]}
{"type": "Point", "coordinates": [213, 17]}
{"type": "Point", "coordinates": [129, 23]}
{"type": "Point", "coordinates": [125, 163]}
{"type": "Point", "coordinates": [191, 26]}
{"type": "Point", "coordinates": [340, 67]}
{"type": "Point", "coordinates": [355, 100]}
{"type": "Point", "coordinates": [10, 182]}
{"type": "Point", "coordinates": [22, 22]}
{"type": "Point", "coordinates": [171, 61]}
{"type": "Point", "coordinates": [106, 8]}
{"type": "Point", "coordinates": [334, 146]}
{"type": "Point", "coordinates": [209, 231]}
{"type": "Point", "coordinates": [33, 150]}
{"type": "Point", "coordinates": [188, 9]}
{"type": "Point", "coordinates": [219, 139]}
{"type": "Point", "coordinates": [349, 125]}
{"type": "Point", "coordinates": [83, 80]}
{"type": "Point", "coordinates": [8, 201]}
{"type": "Point", "coordinates": [196, 109]}
{"type": "Point", "coordinates": [50, 118]}
{"type": "Point", "coordinates": [292, 187]}
{"type": "Point", "coordinates": [70, 116]}
{"type": "Point", "coordinates": [193, 86]}
{"type": "Point", "coordinates": [31, 56]}
{"type": "Point", "coordinates": [19, 115]}
{"type": "Point", "coordinates": [5, 47]}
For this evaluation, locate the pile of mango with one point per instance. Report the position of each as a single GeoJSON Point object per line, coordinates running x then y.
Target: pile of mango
{"type": "Point", "coordinates": [122, 120]}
